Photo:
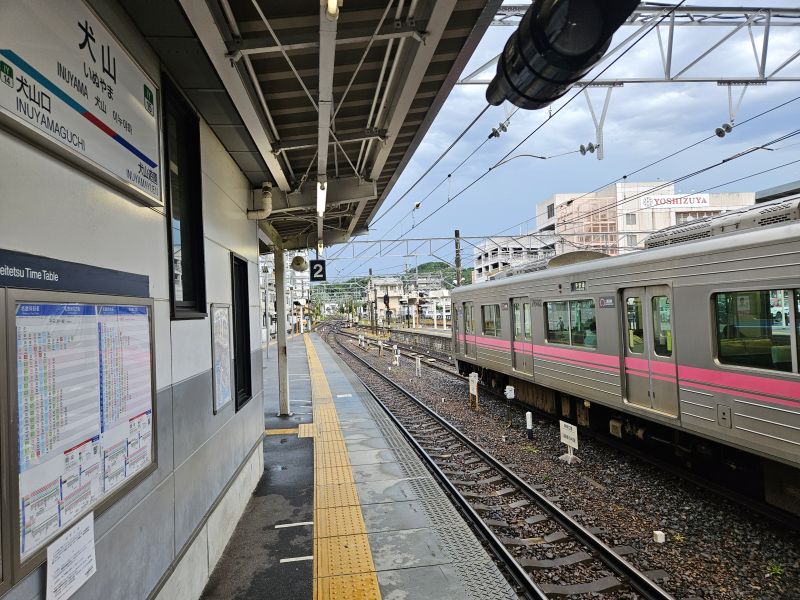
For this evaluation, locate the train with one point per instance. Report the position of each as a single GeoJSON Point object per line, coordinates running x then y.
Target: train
{"type": "Point", "coordinates": [691, 343]}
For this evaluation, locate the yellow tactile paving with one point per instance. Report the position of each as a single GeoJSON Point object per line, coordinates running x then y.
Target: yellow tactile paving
{"type": "Point", "coordinates": [337, 446]}
{"type": "Point", "coordinates": [343, 566]}
{"type": "Point", "coordinates": [339, 520]}
{"type": "Point", "coordinates": [340, 474]}
{"type": "Point", "coordinates": [342, 555]}
{"type": "Point", "coordinates": [326, 460]}
{"type": "Point", "coordinates": [330, 435]}
{"type": "Point", "coordinates": [329, 496]}
{"type": "Point", "coordinates": [346, 587]}
{"type": "Point", "coordinates": [305, 430]}
{"type": "Point", "coordinates": [289, 431]}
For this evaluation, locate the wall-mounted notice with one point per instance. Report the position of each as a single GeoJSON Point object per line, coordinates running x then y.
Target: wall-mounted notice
{"type": "Point", "coordinates": [85, 408]}
{"type": "Point", "coordinates": [64, 75]}
{"type": "Point", "coordinates": [222, 358]}
{"type": "Point", "coordinates": [71, 560]}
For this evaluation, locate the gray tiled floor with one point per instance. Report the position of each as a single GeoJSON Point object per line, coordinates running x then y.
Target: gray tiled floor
{"type": "Point", "coordinates": [420, 545]}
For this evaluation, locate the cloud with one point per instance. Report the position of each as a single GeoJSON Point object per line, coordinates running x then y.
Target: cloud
{"type": "Point", "coordinates": [645, 122]}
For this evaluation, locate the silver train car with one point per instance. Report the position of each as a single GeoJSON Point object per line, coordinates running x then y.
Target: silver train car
{"type": "Point", "coordinates": [684, 343]}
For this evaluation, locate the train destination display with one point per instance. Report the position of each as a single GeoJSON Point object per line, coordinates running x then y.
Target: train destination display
{"type": "Point", "coordinates": [85, 408]}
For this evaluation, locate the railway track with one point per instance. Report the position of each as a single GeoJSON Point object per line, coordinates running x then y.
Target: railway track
{"type": "Point", "coordinates": [546, 551]}
{"type": "Point", "coordinates": [439, 360]}
{"type": "Point", "coordinates": [772, 513]}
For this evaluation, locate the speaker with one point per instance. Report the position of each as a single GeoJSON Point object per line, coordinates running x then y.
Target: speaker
{"type": "Point", "coordinates": [299, 263]}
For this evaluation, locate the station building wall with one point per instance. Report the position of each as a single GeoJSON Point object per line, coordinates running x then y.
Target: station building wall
{"type": "Point", "coordinates": [163, 537]}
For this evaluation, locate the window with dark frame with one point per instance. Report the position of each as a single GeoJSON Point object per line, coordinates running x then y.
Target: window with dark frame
{"type": "Point", "coordinates": [490, 315]}
{"type": "Point", "coordinates": [184, 206]}
{"type": "Point", "coordinates": [241, 331]}
{"type": "Point", "coordinates": [753, 328]}
{"type": "Point", "coordinates": [571, 323]}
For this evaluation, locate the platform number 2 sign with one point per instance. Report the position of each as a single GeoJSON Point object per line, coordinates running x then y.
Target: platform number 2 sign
{"type": "Point", "coordinates": [317, 270]}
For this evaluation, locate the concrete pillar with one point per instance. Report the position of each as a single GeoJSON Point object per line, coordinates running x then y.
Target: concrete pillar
{"type": "Point", "coordinates": [283, 362]}
{"type": "Point", "coordinates": [302, 324]}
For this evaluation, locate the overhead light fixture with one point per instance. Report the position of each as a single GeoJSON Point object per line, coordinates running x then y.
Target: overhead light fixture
{"type": "Point", "coordinates": [331, 8]}
{"type": "Point", "coordinates": [322, 196]}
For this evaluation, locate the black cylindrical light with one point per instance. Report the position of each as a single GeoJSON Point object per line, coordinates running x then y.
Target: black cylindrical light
{"type": "Point", "coordinates": [556, 44]}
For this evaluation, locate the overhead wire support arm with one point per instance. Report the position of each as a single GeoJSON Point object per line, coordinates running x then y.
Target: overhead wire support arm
{"type": "Point", "coordinates": [734, 18]}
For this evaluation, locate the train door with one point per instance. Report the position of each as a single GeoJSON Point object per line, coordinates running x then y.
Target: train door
{"type": "Point", "coordinates": [469, 331]}
{"type": "Point", "coordinates": [650, 370]}
{"type": "Point", "coordinates": [521, 349]}
{"type": "Point", "coordinates": [454, 321]}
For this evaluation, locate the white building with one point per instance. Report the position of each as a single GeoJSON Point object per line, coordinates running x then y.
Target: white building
{"type": "Point", "coordinates": [497, 254]}
{"type": "Point", "coordinates": [620, 216]}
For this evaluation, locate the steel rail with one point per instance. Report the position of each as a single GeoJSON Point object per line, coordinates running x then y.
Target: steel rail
{"type": "Point", "coordinates": [518, 573]}
{"type": "Point", "coordinates": [643, 585]}
{"type": "Point", "coordinates": [777, 515]}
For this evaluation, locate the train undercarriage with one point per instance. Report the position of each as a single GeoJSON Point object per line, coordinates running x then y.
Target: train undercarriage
{"type": "Point", "coordinates": [748, 475]}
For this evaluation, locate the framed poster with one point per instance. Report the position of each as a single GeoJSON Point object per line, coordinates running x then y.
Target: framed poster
{"type": "Point", "coordinates": [221, 355]}
{"type": "Point", "coordinates": [81, 390]}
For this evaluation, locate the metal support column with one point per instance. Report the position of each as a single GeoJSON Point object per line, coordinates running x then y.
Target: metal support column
{"type": "Point", "coordinates": [598, 124]}
{"type": "Point", "coordinates": [283, 362]}
{"type": "Point", "coordinates": [458, 257]}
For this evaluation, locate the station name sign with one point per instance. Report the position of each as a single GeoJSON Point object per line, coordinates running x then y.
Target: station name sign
{"type": "Point", "coordinates": [674, 201]}
{"type": "Point", "coordinates": [67, 81]}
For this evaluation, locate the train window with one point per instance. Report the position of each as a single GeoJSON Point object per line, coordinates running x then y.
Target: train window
{"type": "Point", "coordinates": [662, 325]}
{"type": "Point", "coordinates": [753, 329]}
{"type": "Point", "coordinates": [491, 319]}
{"type": "Point", "coordinates": [526, 311]}
{"type": "Point", "coordinates": [518, 320]}
{"type": "Point", "coordinates": [633, 306]}
{"type": "Point", "coordinates": [797, 316]}
{"type": "Point", "coordinates": [583, 326]}
{"type": "Point", "coordinates": [557, 315]}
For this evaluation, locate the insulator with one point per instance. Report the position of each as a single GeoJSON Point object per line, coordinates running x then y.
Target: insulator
{"type": "Point", "coordinates": [556, 44]}
{"type": "Point", "coordinates": [720, 132]}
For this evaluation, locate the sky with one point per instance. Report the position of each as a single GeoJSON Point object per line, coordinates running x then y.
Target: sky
{"type": "Point", "coordinates": [645, 122]}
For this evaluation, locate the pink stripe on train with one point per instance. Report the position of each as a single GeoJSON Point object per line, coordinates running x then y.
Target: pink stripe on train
{"type": "Point", "coordinates": [773, 387]}
{"type": "Point", "coordinates": [642, 364]}
{"type": "Point", "coordinates": [759, 397]}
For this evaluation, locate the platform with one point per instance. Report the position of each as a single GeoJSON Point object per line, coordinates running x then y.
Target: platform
{"type": "Point", "coordinates": [350, 512]}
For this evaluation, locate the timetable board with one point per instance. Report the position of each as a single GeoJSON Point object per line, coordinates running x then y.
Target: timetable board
{"type": "Point", "coordinates": [85, 410]}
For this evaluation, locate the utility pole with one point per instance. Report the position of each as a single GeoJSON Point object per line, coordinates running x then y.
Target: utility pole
{"type": "Point", "coordinates": [370, 293]}
{"type": "Point", "coordinates": [283, 362]}
{"type": "Point", "coordinates": [458, 257]}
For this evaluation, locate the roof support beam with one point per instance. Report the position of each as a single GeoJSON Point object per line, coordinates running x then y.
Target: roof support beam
{"type": "Point", "coordinates": [327, 55]}
{"type": "Point", "coordinates": [406, 85]}
{"type": "Point", "coordinates": [340, 191]}
{"type": "Point", "coordinates": [209, 35]}
{"type": "Point", "coordinates": [258, 46]}
{"type": "Point", "coordinates": [340, 138]}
